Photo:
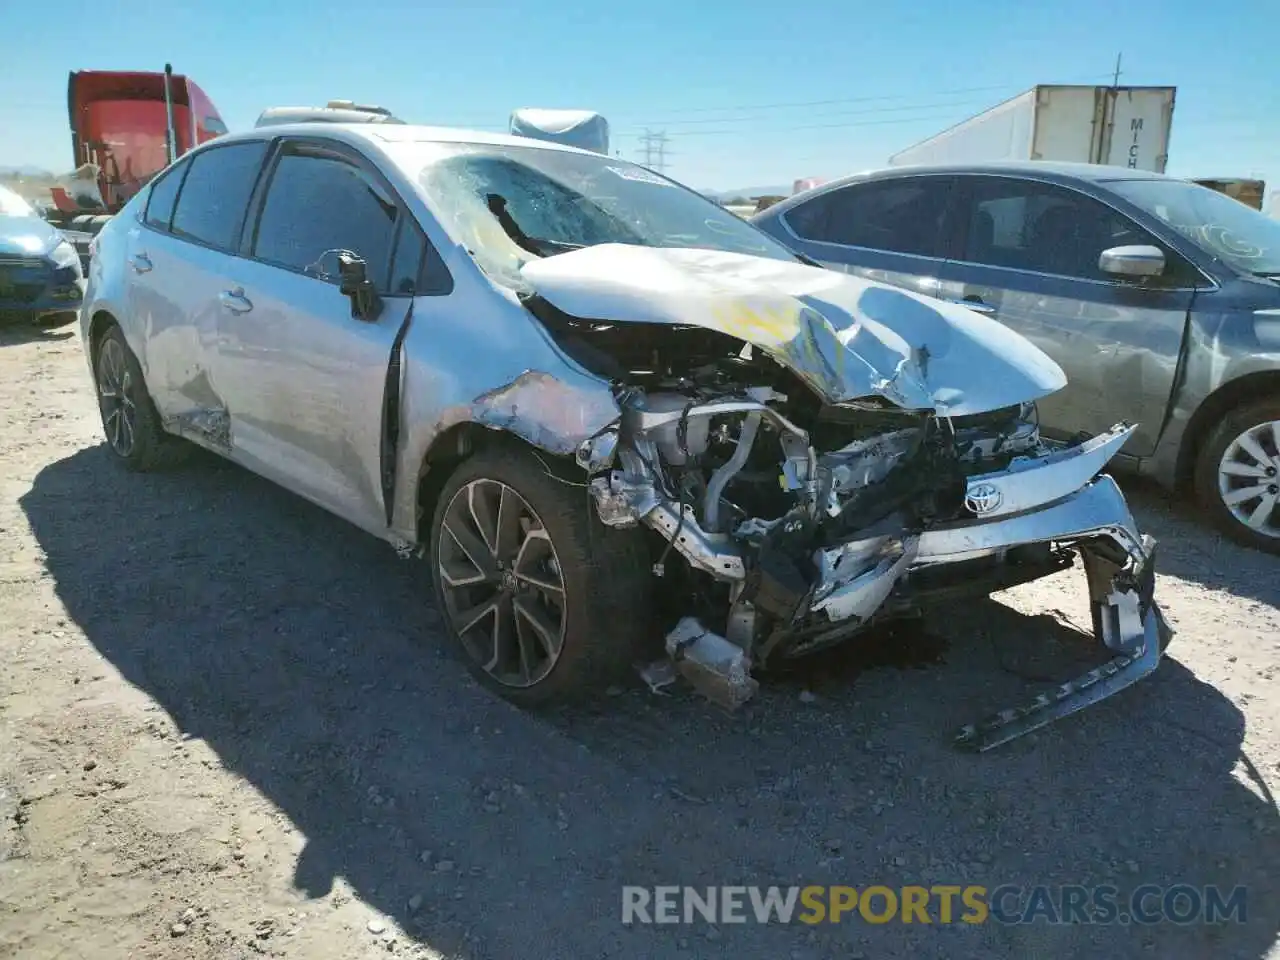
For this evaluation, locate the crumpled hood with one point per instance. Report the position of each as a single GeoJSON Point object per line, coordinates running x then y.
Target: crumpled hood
{"type": "Point", "coordinates": [846, 337]}
{"type": "Point", "coordinates": [27, 236]}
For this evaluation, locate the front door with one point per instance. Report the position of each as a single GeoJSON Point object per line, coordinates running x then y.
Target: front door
{"type": "Point", "coordinates": [1028, 256]}
{"type": "Point", "coordinates": [307, 374]}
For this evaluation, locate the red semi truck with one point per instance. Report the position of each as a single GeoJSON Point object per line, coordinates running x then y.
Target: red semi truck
{"type": "Point", "coordinates": [125, 128]}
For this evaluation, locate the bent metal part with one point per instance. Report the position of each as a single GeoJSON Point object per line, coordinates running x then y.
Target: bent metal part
{"type": "Point", "coordinates": [809, 545]}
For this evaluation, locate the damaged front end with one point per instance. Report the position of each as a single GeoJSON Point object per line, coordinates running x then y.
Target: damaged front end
{"type": "Point", "coordinates": [788, 549]}
{"type": "Point", "coordinates": [791, 513]}
{"type": "Point", "coordinates": [788, 520]}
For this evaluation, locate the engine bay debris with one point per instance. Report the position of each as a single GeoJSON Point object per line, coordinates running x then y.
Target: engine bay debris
{"type": "Point", "coordinates": [798, 495]}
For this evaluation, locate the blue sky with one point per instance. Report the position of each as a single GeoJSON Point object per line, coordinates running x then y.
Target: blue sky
{"type": "Point", "coordinates": [752, 92]}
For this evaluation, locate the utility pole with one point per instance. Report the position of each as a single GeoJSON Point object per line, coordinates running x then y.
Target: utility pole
{"type": "Point", "coordinates": [1116, 80]}
{"type": "Point", "coordinates": [653, 147]}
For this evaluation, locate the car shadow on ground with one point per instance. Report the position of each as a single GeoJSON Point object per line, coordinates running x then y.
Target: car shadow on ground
{"type": "Point", "coordinates": [15, 333]}
{"type": "Point", "coordinates": [306, 656]}
{"type": "Point", "coordinates": [1192, 549]}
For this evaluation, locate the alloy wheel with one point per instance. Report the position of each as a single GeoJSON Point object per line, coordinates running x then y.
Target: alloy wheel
{"type": "Point", "coordinates": [1249, 478]}
{"type": "Point", "coordinates": [116, 397]}
{"type": "Point", "coordinates": [502, 583]}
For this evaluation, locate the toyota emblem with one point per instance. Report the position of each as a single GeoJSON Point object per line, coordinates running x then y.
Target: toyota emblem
{"type": "Point", "coordinates": [983, 498]}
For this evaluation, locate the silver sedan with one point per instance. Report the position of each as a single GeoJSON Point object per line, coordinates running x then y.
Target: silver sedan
{"type": "Point", "coordinates": [621, 422]}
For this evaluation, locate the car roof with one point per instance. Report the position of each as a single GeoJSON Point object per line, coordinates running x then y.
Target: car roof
{"type": "Point", "coordinates": [1051, 170]}
{"type": "Point", "coordinates": [1054, 168]}
{"type": "Point", "coordinates": [357, 134]}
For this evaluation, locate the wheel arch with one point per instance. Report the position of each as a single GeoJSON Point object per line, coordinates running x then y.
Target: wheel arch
{"type": "Point", "coordinates": [1232, 394]}
{"type": "Point", "coordinates": [99, 324]}
{"type": "Point", "coordinates": [452, 446]}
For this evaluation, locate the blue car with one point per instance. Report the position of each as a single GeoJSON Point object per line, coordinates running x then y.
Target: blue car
{"type": "Point", "coordinates": [41, 278]}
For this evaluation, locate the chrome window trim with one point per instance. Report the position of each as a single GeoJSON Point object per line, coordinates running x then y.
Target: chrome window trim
{"type": "Point", "coordinates": [1212, 285]}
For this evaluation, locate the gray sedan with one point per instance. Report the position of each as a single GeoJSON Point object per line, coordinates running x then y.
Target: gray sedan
{"type": "Point", "coordinates": [1159, 298]}
{"type": "Point", "coordinates": [608, 410]}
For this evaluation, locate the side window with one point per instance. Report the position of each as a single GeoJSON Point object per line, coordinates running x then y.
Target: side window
{"type": "Point", "coordinates": [901, 215]}
{"type": "Point", "coordinates": [213, 126]}
{"type": "Point", "coordinates": [319, 204]}
{"type": "Point", "coordinates": [406, 269]}
{"type": "Point", "coordinates": [1025, 225]}
{"type": "Point", "coordinates": [809, 219]}
{"type": "Point", "coordinates": [215, 194]}
{"type": "Point", "coordinates": [164, 193]}
{"type": "Point", "coordinates": [417, 267]}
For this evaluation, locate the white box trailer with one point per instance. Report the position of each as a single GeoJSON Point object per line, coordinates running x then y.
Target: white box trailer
{"type": "Point", "coordinates": [584, 129]}
{"type": "Point", "coordinates": [1119, 126]}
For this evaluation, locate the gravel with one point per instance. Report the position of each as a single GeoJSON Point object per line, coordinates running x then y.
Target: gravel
{"type": "Point", "coordinates": [297, 662]}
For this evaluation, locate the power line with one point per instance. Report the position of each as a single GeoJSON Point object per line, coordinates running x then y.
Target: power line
{"type": "Point", "coordinates": [834, 113]}
{"type": "Point", "coordinates": [872, 99]}
{"type": "Point", "coordinates": [761, 131]}
{"type": "Point", "coordinates": [654, 147]}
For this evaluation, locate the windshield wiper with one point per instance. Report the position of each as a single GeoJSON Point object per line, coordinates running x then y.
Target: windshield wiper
{"type": "Point", "coordinates": [538, 246]}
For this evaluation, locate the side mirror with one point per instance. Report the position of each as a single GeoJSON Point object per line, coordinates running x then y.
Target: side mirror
{"type": "Point", "coordinates": [1138, 261]}
{"type": "Point", "coordinates": [354, 282]}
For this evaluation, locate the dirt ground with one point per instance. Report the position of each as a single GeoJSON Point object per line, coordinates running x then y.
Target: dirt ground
{"type": "Point", "coordinates": [229, 727]}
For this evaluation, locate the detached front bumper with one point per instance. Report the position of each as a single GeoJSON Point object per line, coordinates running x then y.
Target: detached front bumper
{"type": "Point", "coordinates": [1052, 499]}
{"type": "Point", "coordinates": [1022, 523]}
{"type": "Point", "coordinates": [1119, 566]}
{"type": "Point", "coordinates": [1048, 501]}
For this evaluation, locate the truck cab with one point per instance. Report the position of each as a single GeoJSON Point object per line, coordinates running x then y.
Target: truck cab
{"type": "Point", "coordinates": [120, 126]}
{"type": "Point", "coordinates": [126, 126]}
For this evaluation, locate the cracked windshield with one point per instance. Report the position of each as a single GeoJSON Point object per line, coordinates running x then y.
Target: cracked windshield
{"type": "Point", "coordinates": [679, 481]}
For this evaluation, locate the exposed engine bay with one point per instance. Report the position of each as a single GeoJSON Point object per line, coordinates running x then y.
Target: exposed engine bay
{"type": "Point", "coordinates": [790, 523]}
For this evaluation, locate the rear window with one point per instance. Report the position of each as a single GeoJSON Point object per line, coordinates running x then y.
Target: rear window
{"type": "Point", "coordinates": [901, 215]}
{"type": "Point", "coordinates": [164, 192]}
{"type": "Point", "coordinates": [214, 196]}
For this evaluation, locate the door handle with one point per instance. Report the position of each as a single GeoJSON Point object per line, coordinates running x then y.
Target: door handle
{"type": "Point", "coordinates": [141, 263]}
{"type": "Point", "coordinates": [235, 300]}
{"type": "Point", "coordinates": [977, 306]}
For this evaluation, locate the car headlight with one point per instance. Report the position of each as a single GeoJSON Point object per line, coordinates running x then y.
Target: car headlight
{"type": "Point", "coordinates": [64, 255]}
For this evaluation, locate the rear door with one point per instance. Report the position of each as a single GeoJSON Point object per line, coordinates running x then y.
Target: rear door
{"type": "Point", "coordinates": [307, 375]}
{"type": "Point", "coordinates": [177, 261]}
{"type": "Point", "coordinates": [891, 230]}
{"type": "Point", "coordinates": [1028, 255]}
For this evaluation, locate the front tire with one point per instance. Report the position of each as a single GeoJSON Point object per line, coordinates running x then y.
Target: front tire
{"type": "Point", "coordinates": [544, 603]}
{"type": "Point", "coordinates": [130, 421]}
{"type": "Point", "coordinates": [1238, 475]}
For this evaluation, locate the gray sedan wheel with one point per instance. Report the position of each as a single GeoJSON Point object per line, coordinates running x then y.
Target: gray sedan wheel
{"type": "Point", "coordinates": [130, 422]}
{"type": "Point", "coordinates": [502, 583]}
{"type": "Point", "coordinates": [1238, 474]}
{"type": "Point", "coordinates": [544, 603]}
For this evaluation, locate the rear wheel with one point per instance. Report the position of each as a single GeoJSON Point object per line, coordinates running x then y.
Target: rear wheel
{"type": "Point", "coordinates": [544, 602]}
{"type": "Point", "coordinates": [1238, 474]}
{"type": "Point", "coordinates": [129, 418]}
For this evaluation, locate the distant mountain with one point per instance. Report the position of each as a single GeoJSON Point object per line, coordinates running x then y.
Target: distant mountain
{"type": "Point", "coordinates": [24, 172]}
{"type": "Point", "coordinates": [749, 192]}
